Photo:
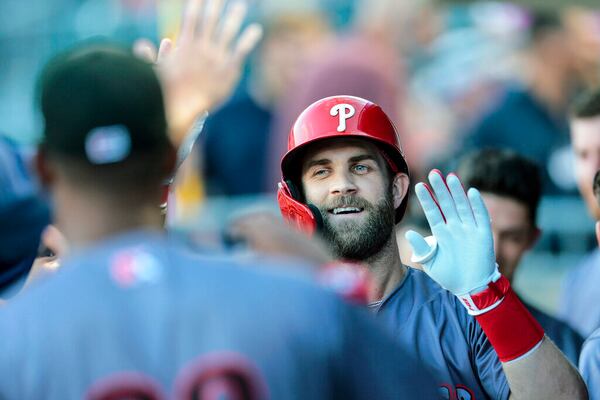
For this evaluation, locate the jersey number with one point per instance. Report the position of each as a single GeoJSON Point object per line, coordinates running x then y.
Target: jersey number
{"type": "Point", "coordinates": [218, 376]}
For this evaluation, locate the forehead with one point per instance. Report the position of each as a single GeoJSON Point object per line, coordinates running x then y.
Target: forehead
{"type": "Point", "coordinates": [586, 131]}
{"type": "Point", "coordinates": [506, 212]}
{"type": "Point", "coordinates": [341, 148]}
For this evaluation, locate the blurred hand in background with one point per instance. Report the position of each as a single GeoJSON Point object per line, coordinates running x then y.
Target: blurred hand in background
{"type": "Point", "coordinates": [201, 70]}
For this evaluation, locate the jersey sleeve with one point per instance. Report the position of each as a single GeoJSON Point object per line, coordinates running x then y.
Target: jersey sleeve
{"type": "Point", "coordinates": [485, 360]}
{"type": "Point", "coordinates": [371, 365]}
{"type": "Point", "coordinates": [589, 365]}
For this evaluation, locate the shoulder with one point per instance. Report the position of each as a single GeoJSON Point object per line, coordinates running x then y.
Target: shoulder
{"type": "Point", "coordinates": [589, 362]}
{"type": "Point", "coordinates": [432, 292]}
{"type": "Point", "coordinates": [591, 348]}
{"type": "Point", "coordinates": [509, 98]}
{"type": "Point", "coordinates": [118, 272]}
{"type": "Point", "coordinates": [500, 110]}
{"type": "Point", "coordinates": [582, 273]}
{"type": "Point", "coordinates": [428, 304]}
{"type": "Point", "coordinates": [590, 262]}
{"type": "Point", "coordinates": [431, 321]}
{"type": "Point", "coordinates": [419, 296]}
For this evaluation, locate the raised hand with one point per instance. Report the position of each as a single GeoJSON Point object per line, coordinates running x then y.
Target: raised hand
{"type": "Point", "coordinates": [460, 254]}
{"type": "Point", "coordinates": [202, 69]}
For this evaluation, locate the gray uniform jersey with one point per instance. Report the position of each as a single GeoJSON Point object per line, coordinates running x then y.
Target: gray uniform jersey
{"type": "Point", "coordinates": [141, 304]}
{"type": "Point", "coordinates": [436, 327]}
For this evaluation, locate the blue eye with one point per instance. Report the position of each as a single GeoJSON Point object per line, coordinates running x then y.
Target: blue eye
{"type": "Point", "coordinates": [360, 168]}
{"type": "Point", "coordinates": [320, 172]}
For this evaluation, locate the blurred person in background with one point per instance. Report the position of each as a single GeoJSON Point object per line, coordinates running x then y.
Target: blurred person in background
{"type": "Point", "coordinates": [530, 119]}
{"type": "Point", "coordinates": [580, 292]}
{"type": "Point", "coordinates": [24, 215]}
{"type": "Point", "coordinates": [511, 188]}
{"type": "Point", "coordinates": [110, 135]}
{"type": "Point", "coordinates": [237, 134]}
{"type": "Point", "coordinates": [585, 141]}
{"type": "Point", "coordinates": [589, 364]}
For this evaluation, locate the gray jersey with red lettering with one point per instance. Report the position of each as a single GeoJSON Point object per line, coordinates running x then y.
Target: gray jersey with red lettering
{"type": "Point", "coordinates": [445, 337]}
{"type": "Point", "coordinates": [140, 305]}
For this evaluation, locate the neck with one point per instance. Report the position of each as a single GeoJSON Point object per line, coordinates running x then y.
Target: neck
{"type": "Point", "coordinates": [387, 270]}
{"type": "Point", "coordinates": [86, 219]}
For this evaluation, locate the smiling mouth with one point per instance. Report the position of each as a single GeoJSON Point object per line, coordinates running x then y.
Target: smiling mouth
{"type": "Point", "coordinates": [345, 210]}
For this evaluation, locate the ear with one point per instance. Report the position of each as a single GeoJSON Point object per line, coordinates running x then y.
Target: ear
{"type": "Point", "coordinates": [43, 168]}
{"type": "Point", "coordinates": [400, 188]}
{"type": "Point", "coordinates": [535, 236]}
{"type": "Point", "coordinates": [598, 232]}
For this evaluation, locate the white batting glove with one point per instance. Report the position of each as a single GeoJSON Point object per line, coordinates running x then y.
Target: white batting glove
{"type": "Point", "coordinates": [460, 254]}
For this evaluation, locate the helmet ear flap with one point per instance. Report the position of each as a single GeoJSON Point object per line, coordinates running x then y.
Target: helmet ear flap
{"type": "Point", "coordinates": [306, 218]}
{"type": "Point", "coordinates": [296, 195]}
{"type": "Point", "coordinates": [317, 214]}
{"type": "Point", "coordinates": [294, 192]}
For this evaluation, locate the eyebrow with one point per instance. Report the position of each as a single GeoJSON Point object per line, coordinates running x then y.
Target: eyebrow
{"type": "Point", "coordinates": [325, 161]}
{"type": "Point", "coordinates": [312, 163]}
{"type": "Point", "coordinates": [363, 157]}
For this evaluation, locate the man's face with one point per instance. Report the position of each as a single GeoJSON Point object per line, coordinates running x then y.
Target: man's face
{"type": "Point", "coordinates": [347, 180]}
{"type": "Point", "coordinates": [585, 138]}
{"type": "Point", "coordinates": [512, 229]}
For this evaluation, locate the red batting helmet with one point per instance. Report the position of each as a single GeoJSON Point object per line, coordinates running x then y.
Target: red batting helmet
{"type": "Point", "coordinates": [332, 117]}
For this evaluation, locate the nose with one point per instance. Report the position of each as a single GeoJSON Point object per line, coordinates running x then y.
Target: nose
{"type": "Point", "coordinates": [343, 184]}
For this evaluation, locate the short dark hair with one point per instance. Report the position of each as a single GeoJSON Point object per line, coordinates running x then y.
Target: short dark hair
{"type": "Point", "coordinates": [104, 118]}
{"type": "Point", "coordinates": [504, 173]}
{"type": "Point", "coordinates": [597, 186]}
{"type": "Point", "coordinates": [587, 105]}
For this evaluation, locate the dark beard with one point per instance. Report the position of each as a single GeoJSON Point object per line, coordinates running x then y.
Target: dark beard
{"type": "Point", "coordinates": [359, 241]}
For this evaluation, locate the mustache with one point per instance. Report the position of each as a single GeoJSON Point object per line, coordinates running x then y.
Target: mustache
{"type": "Point", "coordinates": [347, 201]}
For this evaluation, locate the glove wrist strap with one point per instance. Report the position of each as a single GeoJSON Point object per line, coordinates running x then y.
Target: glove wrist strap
{"type": "Point", "coordinates": [488, 299]}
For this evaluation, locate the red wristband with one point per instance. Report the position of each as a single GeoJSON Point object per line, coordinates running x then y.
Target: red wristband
{"type": "Point", "coordinates": [509, 326]}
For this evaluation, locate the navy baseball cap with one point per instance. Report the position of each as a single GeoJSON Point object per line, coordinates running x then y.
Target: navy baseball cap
{"type": "Point", "coordinates": [101, 104]}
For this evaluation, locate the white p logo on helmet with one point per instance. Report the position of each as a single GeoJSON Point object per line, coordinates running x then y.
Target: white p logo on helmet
{"type": "Point", "coordinates": [344, 111]}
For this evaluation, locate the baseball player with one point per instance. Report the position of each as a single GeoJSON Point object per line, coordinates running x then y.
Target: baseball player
{"type": "Point", "coordinates": [579, 293]}
{"type": "Point", "coordinates": [589, 361]}
{"type": "Point", "coordinates": [345, 176]}
{"type": "Point", "coordinates": [131, 313]}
